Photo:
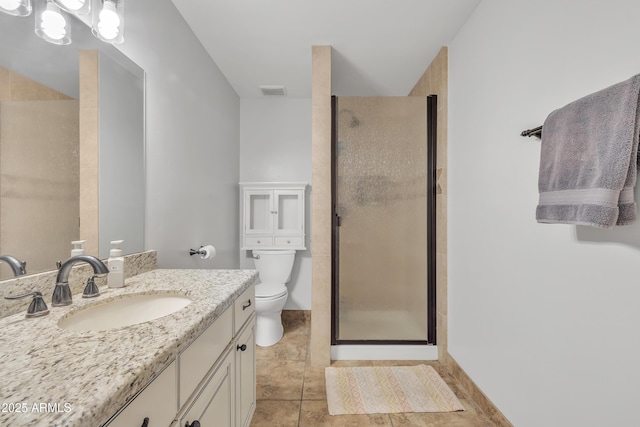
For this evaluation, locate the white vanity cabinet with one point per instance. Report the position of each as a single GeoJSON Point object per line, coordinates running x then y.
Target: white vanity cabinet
{"type": "Point", "coordinates": [211, 381]}
{"type": "Point", "coordinates": [245, 375]}
{"type": "Point", "coordinates": [273, 215]}
{"type": "Point", "coordinates": [155, 404]}
{"type": "Point", "coordinates": [213, 404]}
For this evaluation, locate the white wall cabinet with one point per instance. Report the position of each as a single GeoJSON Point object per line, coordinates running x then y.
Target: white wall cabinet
{"type": "Point", "coordinates": [273, 215]}
{"type": "Point", "coordinates": [212, 381]}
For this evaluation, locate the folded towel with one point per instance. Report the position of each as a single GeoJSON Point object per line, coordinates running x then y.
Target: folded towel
{"type": "Point", "coordinates": [588, 159]}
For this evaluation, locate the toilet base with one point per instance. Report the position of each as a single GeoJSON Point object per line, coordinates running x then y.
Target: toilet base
{"type": "Point", "coordinates": [269, 329]}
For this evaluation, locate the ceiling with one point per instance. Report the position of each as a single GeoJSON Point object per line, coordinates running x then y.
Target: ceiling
{"type": "Point", "coordinates": [380, 47]}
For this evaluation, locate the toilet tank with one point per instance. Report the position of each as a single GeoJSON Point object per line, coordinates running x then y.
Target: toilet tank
{"type": "Point", "coordinates": [274, 266]}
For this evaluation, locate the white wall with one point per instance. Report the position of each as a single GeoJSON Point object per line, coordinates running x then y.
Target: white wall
{"type": "Point", "coordinates": [544, 318]}
{"type": "Point", "coordinates": [192, 149]}
{"type": "Point", "coordinates": [275, 145]}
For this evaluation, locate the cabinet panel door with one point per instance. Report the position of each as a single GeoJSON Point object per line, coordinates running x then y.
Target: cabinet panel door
{"type": "Point", "coordinates": [157, 401]}
{"type": "Point", "coordinates": [258, 211]}
{"type": "Point", "coordinates": [213, 407]}
{"type": "Point", "coordinates": [246, 375]}
{"type": "Point", "coordinates": [202, 354]}
{"type": "Point", "coordinates": [289, 211]}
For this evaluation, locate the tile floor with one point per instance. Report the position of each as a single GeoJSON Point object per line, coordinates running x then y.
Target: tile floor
{"type": "Point", "coordinates": [291, 392]}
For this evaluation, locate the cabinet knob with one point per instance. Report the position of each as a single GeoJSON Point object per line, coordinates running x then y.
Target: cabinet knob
{"type": "Point", "coordinates": [258, 241]}
{"type": "Point", "coordinates": [242, 347]}
{"type": "Point", "coordinates": [196, 423]}
{"type": "Point", "coordinates": [247, 305]}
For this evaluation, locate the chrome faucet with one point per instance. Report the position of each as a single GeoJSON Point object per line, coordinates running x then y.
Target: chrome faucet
{"type": "Point", "coordinates": [62, 292]}
{"type": "Point", "coordinates": [19, 267]}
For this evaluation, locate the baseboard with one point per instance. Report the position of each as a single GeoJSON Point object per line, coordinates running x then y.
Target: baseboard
{"type": "Point", "coordinates": [483, 402]}
{"type": "Point", "coordinates": [384, 352]}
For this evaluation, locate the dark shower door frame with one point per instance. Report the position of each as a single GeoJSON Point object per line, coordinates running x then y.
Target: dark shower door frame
{"type": "Point", "coordinates": [432, 132]}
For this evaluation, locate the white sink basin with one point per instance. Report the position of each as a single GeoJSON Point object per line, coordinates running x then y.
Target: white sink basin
{"type": "Point", "coordinates": [126, 311]}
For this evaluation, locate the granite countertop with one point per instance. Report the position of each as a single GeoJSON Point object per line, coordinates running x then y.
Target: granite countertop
{"type": "Point", "coordinates": [56, 377]}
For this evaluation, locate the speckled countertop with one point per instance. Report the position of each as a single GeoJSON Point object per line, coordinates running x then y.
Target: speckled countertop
{"type": "Point", "coordinates": [56, 377]}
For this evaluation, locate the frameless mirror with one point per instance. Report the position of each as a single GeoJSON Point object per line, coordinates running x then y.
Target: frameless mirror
{"type": "Point", "coordinates": [45, 124]}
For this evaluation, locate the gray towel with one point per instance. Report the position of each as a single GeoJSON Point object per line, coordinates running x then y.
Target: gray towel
{"type": "Point", "coordinates": [588, 159]}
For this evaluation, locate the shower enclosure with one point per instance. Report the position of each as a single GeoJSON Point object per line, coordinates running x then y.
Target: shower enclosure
{"type": "Point", "coordinates": [384, 220]}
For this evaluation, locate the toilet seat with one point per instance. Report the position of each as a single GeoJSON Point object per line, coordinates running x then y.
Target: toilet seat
{"type": "Point", "coordinates": [268, 291]}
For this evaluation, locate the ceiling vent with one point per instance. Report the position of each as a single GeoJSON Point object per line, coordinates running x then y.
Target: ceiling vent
{"type": "Point", "coordinates": [273, 90]}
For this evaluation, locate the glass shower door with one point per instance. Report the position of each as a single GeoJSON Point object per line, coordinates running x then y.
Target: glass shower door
{"type": "Point", "coordinates": [381, 240]}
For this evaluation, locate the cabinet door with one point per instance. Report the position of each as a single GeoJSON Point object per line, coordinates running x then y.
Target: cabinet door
{"type": "Point", "coordinates": [157, 402]}
{"type": "Point", "coordinates": [246, 375]}
{"type": "Point", "coordinates": [258, 211]}
{"type": "Point", "coordinates": [201, 355]}
{"type": "Point", "coordinates": [213, 407]}
{"type": "Point", "coordinates": [288, 207]}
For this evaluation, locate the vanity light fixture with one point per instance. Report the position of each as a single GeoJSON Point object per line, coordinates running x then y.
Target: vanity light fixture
{"type": "Point", "coordinates": [108, 21]}
{"type": "Point", "coordinates": [77, 7]}
{"type": "Point", "coordinates": [51, 23]}
{"type": "Point", "coordinates": [16, 7]}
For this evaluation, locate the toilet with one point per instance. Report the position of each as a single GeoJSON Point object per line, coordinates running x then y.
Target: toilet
{"type": "Point", "coordinates": [274, 269]}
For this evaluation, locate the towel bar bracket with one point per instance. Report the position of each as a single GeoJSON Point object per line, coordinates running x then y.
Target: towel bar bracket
{"type": "Point", "coordinates": [537, 132]}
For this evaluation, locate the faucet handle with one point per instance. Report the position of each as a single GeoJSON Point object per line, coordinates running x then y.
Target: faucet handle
{"type": "Point", "coordinates": [23, 267]}
{"type": "Point", "coordinates": [37, 307]}
{"type": "Point", "coordinates": [58, 264]}
{"type": "Point", "coordinates": [91, 290]}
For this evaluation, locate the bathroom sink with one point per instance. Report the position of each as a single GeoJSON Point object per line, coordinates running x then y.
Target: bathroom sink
{"type": "Point", "coordinates": [126, 311]}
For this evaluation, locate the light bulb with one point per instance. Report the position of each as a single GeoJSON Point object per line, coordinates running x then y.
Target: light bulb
{"type": "Point", "coordinates": [73, 4]}
{"type": "Point", "coordinates": [109, 21]}
{"type": "Point", "coordinates": [108, 15]}
{"type": "Point", "coordinates": [53, 23]}
{"type": "Point", "coordinates": [10, 4]}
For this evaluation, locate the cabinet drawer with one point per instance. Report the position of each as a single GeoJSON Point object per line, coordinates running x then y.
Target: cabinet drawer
{"type": "Point", "coordinates": [157, 401]}
{"type": "Point", "coordinates": [200, 356]}
{"type": "Point", "coordinates": [289, 241]}
{"type": "Point", "coordinates": [244, 307]}
{"type": "Point", "coordinates": [259, 241]}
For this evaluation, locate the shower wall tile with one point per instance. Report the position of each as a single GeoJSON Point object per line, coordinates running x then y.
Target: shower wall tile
{"type": "Point", "coordinates": [435, 81]}
{"type": "Point", "coordinates": [321, 76]}
{"type": "Point", "coordinates": [24, 140]}
{"type": "Point", "coordinates": [5, 84]}
{"type": "Point", "coordinates": [321, 188]}
{"type": "Point", "coordinates": [16, 87]}
{"type": "Point", "coordinates": [321, 299]}
{"type": "Point", "coordinates": [89, 150]}
{"type": "Point", "coordinates": [321, 206]}
{"type": "Point", "coordinates": [320, 339]}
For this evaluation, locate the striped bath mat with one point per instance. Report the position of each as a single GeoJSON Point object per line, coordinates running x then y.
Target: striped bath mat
{"type": "Point", "coordinates": [388, 389]}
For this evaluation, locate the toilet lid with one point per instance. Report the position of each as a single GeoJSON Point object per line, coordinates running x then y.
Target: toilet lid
{"type": "Point", "coordinates": [270, 290]}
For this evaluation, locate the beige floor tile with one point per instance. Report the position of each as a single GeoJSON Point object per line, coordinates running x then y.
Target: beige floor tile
{"type": "Point", "coordinates": [351, 363]}
{"type": "Point", "coordinates": [449, 419]}
{"type": "Point", "coordinates": [279, 379]}
{"type": "Point", "coordinates": [296, 322]}
{"type": "Point", "coordinates": [314, 384]}
{"type": "Point", "coordinates": [314, 413]}
{"type": "Point", "coordinates": [291, 391]}
{"type": "Point", "coordinates": [271, 413]}
{"type": "Point", "coordinates": [290, 347]}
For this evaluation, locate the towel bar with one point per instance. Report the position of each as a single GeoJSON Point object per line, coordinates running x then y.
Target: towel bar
{"type": "Point", "coordinates": [533, 132]}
